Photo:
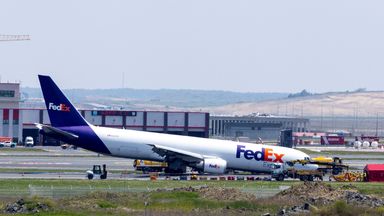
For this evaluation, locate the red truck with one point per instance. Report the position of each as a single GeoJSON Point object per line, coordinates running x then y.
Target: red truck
{"type": "Point", "coordinates": [332, 140]}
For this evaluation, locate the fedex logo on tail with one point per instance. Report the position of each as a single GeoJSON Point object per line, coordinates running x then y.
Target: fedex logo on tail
{"type": "Point", "coordinates": [266, 154]}
{"type": "Point", "coordinates": [60, 107]}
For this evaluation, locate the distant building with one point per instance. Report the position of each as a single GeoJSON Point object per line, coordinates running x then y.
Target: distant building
{"type": "Point", "coordinates": [255, 127]}
{"type": "Point", "coordinates": [181, 123]}
{"type": "Point", "coordinates": [9, 110]}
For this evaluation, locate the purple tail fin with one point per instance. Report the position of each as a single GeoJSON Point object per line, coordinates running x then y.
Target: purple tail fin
{"type": "Point", "coordinates": [60, 110]}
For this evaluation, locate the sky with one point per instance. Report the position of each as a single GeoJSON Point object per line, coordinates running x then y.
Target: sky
{"type": "Point", "coordinates": [244, 46]}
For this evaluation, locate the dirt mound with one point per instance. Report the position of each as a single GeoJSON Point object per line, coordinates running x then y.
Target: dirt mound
{"type": "Point", "coordinates": [308, 189]}
{"type": "Point", "coordinates": [318, 193]}
{"type": "Point", "coordinates": [225, 194]}
{"type": "Point", "coordinates": [216, 193]}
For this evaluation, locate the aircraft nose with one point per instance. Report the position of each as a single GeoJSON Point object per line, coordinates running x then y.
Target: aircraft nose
{"type": "Point", "coordinates": [302, 154]}
{"type": "Point", "coordinates": [305, 155]}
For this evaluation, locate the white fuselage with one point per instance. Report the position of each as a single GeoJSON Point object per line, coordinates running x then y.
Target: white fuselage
{"type": "Point", "coordinates": [240, 156]}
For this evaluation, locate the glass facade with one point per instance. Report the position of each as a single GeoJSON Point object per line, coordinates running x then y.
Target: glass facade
{"type": "Point", "coordinates": [7, 93]}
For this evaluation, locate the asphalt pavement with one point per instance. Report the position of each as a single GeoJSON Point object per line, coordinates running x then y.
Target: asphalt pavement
{"type": "Point", "coordinates": [58, 163]}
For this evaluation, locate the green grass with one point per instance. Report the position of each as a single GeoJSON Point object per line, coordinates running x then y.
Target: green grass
{"type": "Point", "coordinates": [341, 208]}
{"type": "Point", "coordinates": [368, 188]}
{"type": "Point", "coordinates": [373, 188]}
{"type": "Point", "coordinates": [23, 183]}
{"type": "Point", "coordinates": [174, 202]}
{"type": "Point", "coordinates": [106, 204]}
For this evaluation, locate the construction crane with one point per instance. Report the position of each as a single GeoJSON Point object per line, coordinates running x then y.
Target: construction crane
{"type": "Point", "coordinates": [14, 37]}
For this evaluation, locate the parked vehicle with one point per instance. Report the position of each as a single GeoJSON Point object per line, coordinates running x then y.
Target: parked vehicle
{"type": "Point", "coordinates": [68, 146]}
{"type": "Point", "coordinates": [28, 142]}
{"type": "Point", "coordinates": [304, 172]}
{"type": "Point", "coordinates": [332, 140]}
{"type": "Point", "coordinates": [147, 166]}
{"type": "Point", "coordinates": [308, 170]}
{"type": "Point", "coordinates": [374, 173]}
{"type": "Point", "coordinates": [8, 144]}
{"type": "Point", "coordinates": [333, 164]}
{"type": "Point", "coordinates": [5, 139]}
{"type": "Point", "coordinates": [97, 172]}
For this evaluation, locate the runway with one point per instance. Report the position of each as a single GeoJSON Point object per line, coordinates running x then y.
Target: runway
{"type": "Point", "coordinates": [67, 162]}
{"type": "Point", "coordinates": [57, 158]}
{"type": "Point", "coordinates": [56, 163]}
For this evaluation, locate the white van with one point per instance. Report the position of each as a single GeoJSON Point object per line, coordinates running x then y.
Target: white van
{"type": "Point", "coordinates": [28, 141]}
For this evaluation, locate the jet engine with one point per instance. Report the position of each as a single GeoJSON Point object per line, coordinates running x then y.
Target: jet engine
{"type": "Point", "coordinates": [213, 165]}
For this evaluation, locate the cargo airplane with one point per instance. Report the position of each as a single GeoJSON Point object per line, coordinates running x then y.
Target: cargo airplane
{"type": "Point", "coordinates": [206, 155]}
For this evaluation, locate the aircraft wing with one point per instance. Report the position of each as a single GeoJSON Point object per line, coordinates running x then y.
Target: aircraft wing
{"type": "Point", "coordinates": [52, 131]}
{"type": "Point", "coordinates": [173, 153]}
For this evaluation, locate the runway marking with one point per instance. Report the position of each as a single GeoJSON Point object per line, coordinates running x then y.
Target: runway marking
{"type": "Point", "coordinates": [6, 162]}
{"type": "Point", "coordinates": [123, 163]}
{"type": "Point", "coordinates": [45, 163]}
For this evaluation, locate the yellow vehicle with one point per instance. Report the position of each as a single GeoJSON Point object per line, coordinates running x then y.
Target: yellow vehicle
{"type": "Point", "coordinates": [334, 164]}
{"type": "Point", "coordinates": [147, 166]}
{"type": "Point", "coordinates": [323, 159]}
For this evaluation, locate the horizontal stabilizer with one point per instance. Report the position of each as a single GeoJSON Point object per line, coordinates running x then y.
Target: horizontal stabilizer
{"type": "Point", "coordinates": [52, 131]}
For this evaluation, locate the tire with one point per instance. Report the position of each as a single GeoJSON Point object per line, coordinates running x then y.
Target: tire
{"type": "Point", "coordinates": [336, 171]}
{"type": "Point", "coordinates": [310, 178]}
{"type": "Point", "coordinates": [103, 176]}
{"type": "Point", "coordinates": [90, 176]}
{"type": "Point", "coordinates": [280, 177]}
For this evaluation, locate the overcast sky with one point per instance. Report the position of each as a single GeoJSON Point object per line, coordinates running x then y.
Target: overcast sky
{"type": "Point", "coordinates": [247, 46]}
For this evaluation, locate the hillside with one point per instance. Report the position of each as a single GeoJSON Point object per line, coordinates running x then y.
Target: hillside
{"type": "Point", "coordinates": [348, 104]}
{"type": "Point", "coordinates": [328, 104]}
{"type": "Point", "coordinates": [143, 98]}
